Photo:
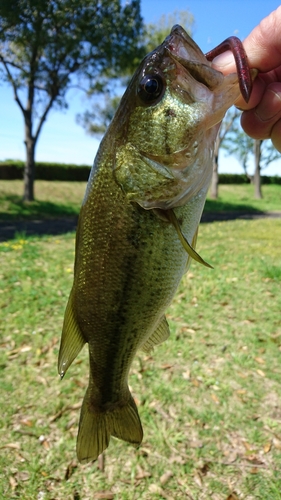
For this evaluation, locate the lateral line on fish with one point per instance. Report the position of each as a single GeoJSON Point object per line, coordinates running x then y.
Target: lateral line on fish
{"type": "Point", "coordinates": [173, 219]}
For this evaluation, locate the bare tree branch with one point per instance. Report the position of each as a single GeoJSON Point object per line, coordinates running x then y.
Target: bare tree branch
{"type": "Point", "coordinates": [43, 118]}
{"type": "Point", "coordinates": [11, 80]}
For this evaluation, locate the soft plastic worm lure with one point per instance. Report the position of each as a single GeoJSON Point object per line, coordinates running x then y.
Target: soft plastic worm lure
{"type": "Point", "coordinates": [235, 45]}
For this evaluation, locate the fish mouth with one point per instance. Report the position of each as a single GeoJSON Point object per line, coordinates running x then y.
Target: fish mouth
{"type": "Point", "coordinates": [186, 52]}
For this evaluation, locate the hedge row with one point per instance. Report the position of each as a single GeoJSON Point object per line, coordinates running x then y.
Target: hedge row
{"type": "Point", "coordinates": [10, 170]}
{"type": "Point", "coordinates": [244, 179]}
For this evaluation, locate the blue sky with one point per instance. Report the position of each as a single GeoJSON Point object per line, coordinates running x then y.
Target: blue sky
{"type": "Point", "coordinates": [63, 140]}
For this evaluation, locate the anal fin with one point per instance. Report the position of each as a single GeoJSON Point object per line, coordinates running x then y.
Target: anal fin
{"type": "Point", "coordinates": [72, 339]}
{"type": "Point", "coordinates": [161, 334]}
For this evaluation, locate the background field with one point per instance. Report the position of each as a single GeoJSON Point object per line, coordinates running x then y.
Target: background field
{"type": "Point", "coordinates": [64, 199]}
{"type": "Point", "coordinates": [209, 397]}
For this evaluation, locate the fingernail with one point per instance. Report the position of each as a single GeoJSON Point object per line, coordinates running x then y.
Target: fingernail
{"type": "Point", "coordinates": [269, 106]}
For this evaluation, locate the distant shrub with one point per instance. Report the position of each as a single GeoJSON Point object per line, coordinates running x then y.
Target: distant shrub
{"type": "Point", "coordinates": [233, 179]}
{"type": "Point", "coordinates": [11, 170]}
{"type": "Point", "coordinates": [244, 179]}
{"type": "Point", "coordinates": [274, 179]}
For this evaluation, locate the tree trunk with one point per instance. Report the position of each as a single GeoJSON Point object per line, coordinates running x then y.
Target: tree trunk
{"type": "Point", "coordinates": [257, 174]}
{"type": "Point", "coordinates": [214, 189]}
{"type": "Point", "coordinates": [29, 168]}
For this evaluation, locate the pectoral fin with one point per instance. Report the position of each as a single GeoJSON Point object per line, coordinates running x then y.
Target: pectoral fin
{"type": "Point", "coordinates": [161, 333]}
{"type": "Point", "coordinates": [173, 219]}
{"type": "Point", "coordinates": [72, 339]}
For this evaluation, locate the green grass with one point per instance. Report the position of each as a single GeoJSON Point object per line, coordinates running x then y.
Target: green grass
{"type": "Point", "coordinates": [240, 197]}
{"type": "Point", "coordinates": [55, 199]}
{"type": "Point", "coordinates": [209, 397]}
{"type": "Point", "coordinates": [52, 199]}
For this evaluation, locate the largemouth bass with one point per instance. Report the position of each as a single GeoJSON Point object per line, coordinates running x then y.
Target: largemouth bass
{"type": "Point", "coordinates": [138, 227]}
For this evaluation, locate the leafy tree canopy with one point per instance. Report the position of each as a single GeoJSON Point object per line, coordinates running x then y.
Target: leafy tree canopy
{"type": "Point", "coordinates": [44, 44]}
{"type": "Point", "coordinates": [155, 33]}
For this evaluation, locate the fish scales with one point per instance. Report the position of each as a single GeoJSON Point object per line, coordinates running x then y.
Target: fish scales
{"type": "Point", "coordinates": [138, 226]}
{"type": "Point", "coordinates": [143, 262]}
{"type": "Point", "coordinates": [140, 262]}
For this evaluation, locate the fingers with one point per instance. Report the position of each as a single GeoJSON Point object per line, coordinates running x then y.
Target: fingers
{"type": "Point", "coordinates": [260, 121]}
{"type": "Point", "coordinates": [261, 118]}
{"type": "Point", "coordinates": [225, 63]}
{"type": "Point", "coordinates": [269, 108]}
{"type": "Point", "coordinates": [262, 45]}
{"type": "Point", "coordinates": [259, 87]}
{"type": "Point", "coordinates": [276, 136]}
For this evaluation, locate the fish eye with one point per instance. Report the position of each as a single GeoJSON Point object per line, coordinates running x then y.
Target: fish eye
{"type": "Point", "coordinates": [151, 88]}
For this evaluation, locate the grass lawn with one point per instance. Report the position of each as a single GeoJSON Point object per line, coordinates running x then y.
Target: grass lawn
{"type": "Point", "coordinates": [237, 197]}
{"type": "Point", "coordinates": [53, 199]}
{"type": "Point", "coordinates": [60, 199]}
{"type": "Point", "coordinates": [209, 397]}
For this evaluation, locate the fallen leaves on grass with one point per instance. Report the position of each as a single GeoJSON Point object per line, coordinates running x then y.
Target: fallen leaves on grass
{"type": "Point", "coordinates": [104, 495]}
{"type": "Point", "coordinates": [166, 477]}
{"type": "Point", "coordinates": [12, 446]}
{"type": "Point", "coordinates": [72, 466]}
{"type": "Point", "coordinates": [232, 496]}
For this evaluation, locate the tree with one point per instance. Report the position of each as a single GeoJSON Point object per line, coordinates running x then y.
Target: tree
{"type": "Point", "coordinates": [155, 33]}
{"type": "Point", "coordinates": [97, 119]}
{"type": "Point", "coordinates": [239, 144]}
{"type": "Point", "coordinates": [225, 129]}
{"type": "Point", "coordinates": [257, 173]}
{"type": "Point", "coordinates": [47, 46]}
{"type": "Point", "coordinates": [245, 149]}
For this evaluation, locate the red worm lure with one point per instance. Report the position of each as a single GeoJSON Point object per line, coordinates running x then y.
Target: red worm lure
{"type": "Point", "coordinates": [235, 45]}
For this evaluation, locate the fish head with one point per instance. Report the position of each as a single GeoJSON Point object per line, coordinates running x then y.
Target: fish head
{"type": "Point", "coordinates": [167, 124]}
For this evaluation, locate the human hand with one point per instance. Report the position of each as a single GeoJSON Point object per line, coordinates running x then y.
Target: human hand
{"type": "Point", "coordinates": [261, 117]}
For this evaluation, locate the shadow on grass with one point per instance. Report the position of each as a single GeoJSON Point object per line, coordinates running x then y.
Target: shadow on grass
{"type": "Point", "coordinates": [48, 218]}
{"type": "Point", "coordinates": [17, 209]}
{"type": "Point", "coordinates": [37, 218]}
{"type": "Point", "coordinates": [224, 206]}
{"type": "Point", "coordinates": [39, 227]}
{"type": "Point", "coordinates": [218, 210]}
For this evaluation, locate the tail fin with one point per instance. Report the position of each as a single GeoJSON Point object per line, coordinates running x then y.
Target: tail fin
{"type": "Point", "coordinates": [95, 428]}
